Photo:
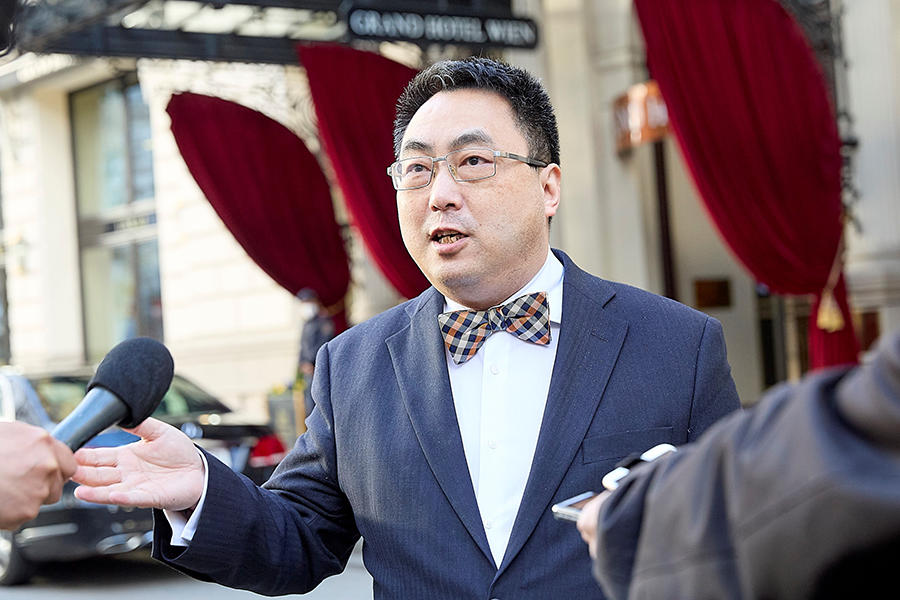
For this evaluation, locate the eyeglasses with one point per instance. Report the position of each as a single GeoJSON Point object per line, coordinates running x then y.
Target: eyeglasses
{"type": "Point", "coordinates": [468, 164]}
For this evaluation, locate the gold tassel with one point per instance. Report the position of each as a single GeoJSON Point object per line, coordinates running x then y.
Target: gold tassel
{"type": "Point", "coordinates": [335, 308]}
{"type": "Point", "coordinates": [829, 317]}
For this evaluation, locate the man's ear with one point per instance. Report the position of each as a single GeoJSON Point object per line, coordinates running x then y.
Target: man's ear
{"type": "Point", "coordinates": [550, 183]}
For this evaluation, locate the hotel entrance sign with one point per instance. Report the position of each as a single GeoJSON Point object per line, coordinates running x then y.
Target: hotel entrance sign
{"type": "Point", "coordinates": [441, 28]}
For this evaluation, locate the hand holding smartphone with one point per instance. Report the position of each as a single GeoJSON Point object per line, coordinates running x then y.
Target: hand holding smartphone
{"type": "Point", "coordinates": [568, 510]}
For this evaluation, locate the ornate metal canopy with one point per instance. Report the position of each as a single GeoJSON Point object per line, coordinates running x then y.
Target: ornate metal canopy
{"type": "Point", "coordinates": [260, 31]}
{"type": "Point", "coordinates": [821, 22]}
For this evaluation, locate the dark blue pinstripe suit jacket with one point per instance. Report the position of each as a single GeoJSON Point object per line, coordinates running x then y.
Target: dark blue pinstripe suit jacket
{"type": "Point", "coordinates": [383, 457]}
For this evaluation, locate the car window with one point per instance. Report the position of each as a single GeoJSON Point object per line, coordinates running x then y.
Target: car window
{"type": "Point", "coordinates": [185, 398]}
{"type": "Point", "coordinates": [59, 395]}
{"type": "Point", "coordinates": [27, 410]}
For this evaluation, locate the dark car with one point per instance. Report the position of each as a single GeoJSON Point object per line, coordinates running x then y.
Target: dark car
{"type": "Point", "coordinates": [71, 528]}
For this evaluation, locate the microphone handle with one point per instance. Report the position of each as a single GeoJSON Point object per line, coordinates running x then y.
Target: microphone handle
{"type": "Point", "coordinates": [99, 409]}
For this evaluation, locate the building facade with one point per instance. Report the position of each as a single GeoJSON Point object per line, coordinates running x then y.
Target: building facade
{"type": "Point", "coordinates": [106, 234]}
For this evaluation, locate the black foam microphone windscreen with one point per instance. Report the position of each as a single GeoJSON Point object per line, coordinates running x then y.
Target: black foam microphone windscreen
{"type": "Point", "coordinates": [139, 371]}
{"type": "Point", "coordinates": [129, 384]}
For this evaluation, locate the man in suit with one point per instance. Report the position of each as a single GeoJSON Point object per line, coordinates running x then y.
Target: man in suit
{"type": "Point", "coordinates": [798, 497]}
{"type": "Point", "coordinates": [446, 427]}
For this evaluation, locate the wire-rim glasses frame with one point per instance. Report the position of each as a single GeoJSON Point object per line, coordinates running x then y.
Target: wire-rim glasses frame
{"type": "Point", "coordinates": [409, 173]}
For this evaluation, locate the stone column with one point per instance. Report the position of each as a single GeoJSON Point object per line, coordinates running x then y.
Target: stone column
{"type": "Point", "coordinates": [871, 29]}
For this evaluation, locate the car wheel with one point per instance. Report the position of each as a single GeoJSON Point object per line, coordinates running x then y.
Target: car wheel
{"type": "Point", "coordinates": [14, 568]}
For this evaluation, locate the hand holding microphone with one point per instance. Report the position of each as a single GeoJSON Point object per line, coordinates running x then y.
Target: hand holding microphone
{"type": "Point", "coordinates": [163, 469]}
{"type": "Point", "coordinates": [33, 469]}
{"type": "Point", "coordinates": [128, 386]}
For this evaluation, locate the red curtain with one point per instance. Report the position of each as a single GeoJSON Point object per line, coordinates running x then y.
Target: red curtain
{"type": "Point", "coordinates": [270, 192]}
{"type": "Point", "coordinates": [355, 95]}
{"type": "Point", "coordinates": [752, 115]}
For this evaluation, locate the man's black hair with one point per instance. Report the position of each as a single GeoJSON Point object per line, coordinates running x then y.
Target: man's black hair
{"type": "Point", "coordinates": [529, 100]}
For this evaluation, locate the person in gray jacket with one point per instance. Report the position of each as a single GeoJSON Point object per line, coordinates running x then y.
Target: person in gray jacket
{"type": "Point", "coordinates": [796, 498]}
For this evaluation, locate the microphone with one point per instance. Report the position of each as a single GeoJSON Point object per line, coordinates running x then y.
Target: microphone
{"type": "Point", "coordinates": [129, 384]}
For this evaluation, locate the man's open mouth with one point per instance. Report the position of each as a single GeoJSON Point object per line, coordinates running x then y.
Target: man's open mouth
{"type": "Point", "coordinates": [447, 237]}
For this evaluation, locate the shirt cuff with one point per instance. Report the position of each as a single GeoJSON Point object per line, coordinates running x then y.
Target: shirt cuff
{"type": "Point", "coordinates": [183, 529]}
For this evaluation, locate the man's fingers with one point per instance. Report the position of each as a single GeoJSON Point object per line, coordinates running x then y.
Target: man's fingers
{"type": "Point", "coordinates": [150, 429]}
{"type": "Point", "coordinates": [97, 476]}
{"type": "Point", "coordinates": [99, 495]}
{"type": "Point", "coordinates": [115, 495]}
{"type": "Point", "coordinates": [97, 457]}
{"type": "Point", "coordinates": [137, 498]}
{"type": "Point", "coordinates": [65, 458]}
{"type": "Point", "coordinates": [103, 495]}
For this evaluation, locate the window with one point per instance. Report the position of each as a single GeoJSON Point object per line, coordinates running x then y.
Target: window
{"type": "Point", "coordinates": [60, 395]}
{"type": "Point", "coordinates": [116, 214]}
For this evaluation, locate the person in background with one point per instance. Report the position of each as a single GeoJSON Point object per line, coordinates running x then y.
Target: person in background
{"type": "Point", "coordinates": [318, 328]}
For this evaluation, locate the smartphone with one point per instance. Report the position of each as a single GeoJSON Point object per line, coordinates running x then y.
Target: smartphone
{"type": "Point", "coordinates": [610, 481]}
{"type": "Point", "coordinates": [568, 510]}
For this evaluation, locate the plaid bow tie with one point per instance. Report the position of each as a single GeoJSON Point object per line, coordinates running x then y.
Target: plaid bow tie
{"type": "Point", "coordinates": [527, 317]}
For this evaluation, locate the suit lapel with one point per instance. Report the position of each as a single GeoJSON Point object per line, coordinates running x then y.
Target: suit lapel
{"type": "Point", "coordinates": [589, 344]}
{"type": "Point", "coordinates": [417, 353]}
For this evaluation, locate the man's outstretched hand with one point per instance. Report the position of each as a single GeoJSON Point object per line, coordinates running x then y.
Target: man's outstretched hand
{"type": "Point", "coordinates": [161, 470]}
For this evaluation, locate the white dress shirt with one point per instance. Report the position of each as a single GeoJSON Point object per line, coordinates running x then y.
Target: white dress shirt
{"type": "Point", "coordinates": [500, 394]}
